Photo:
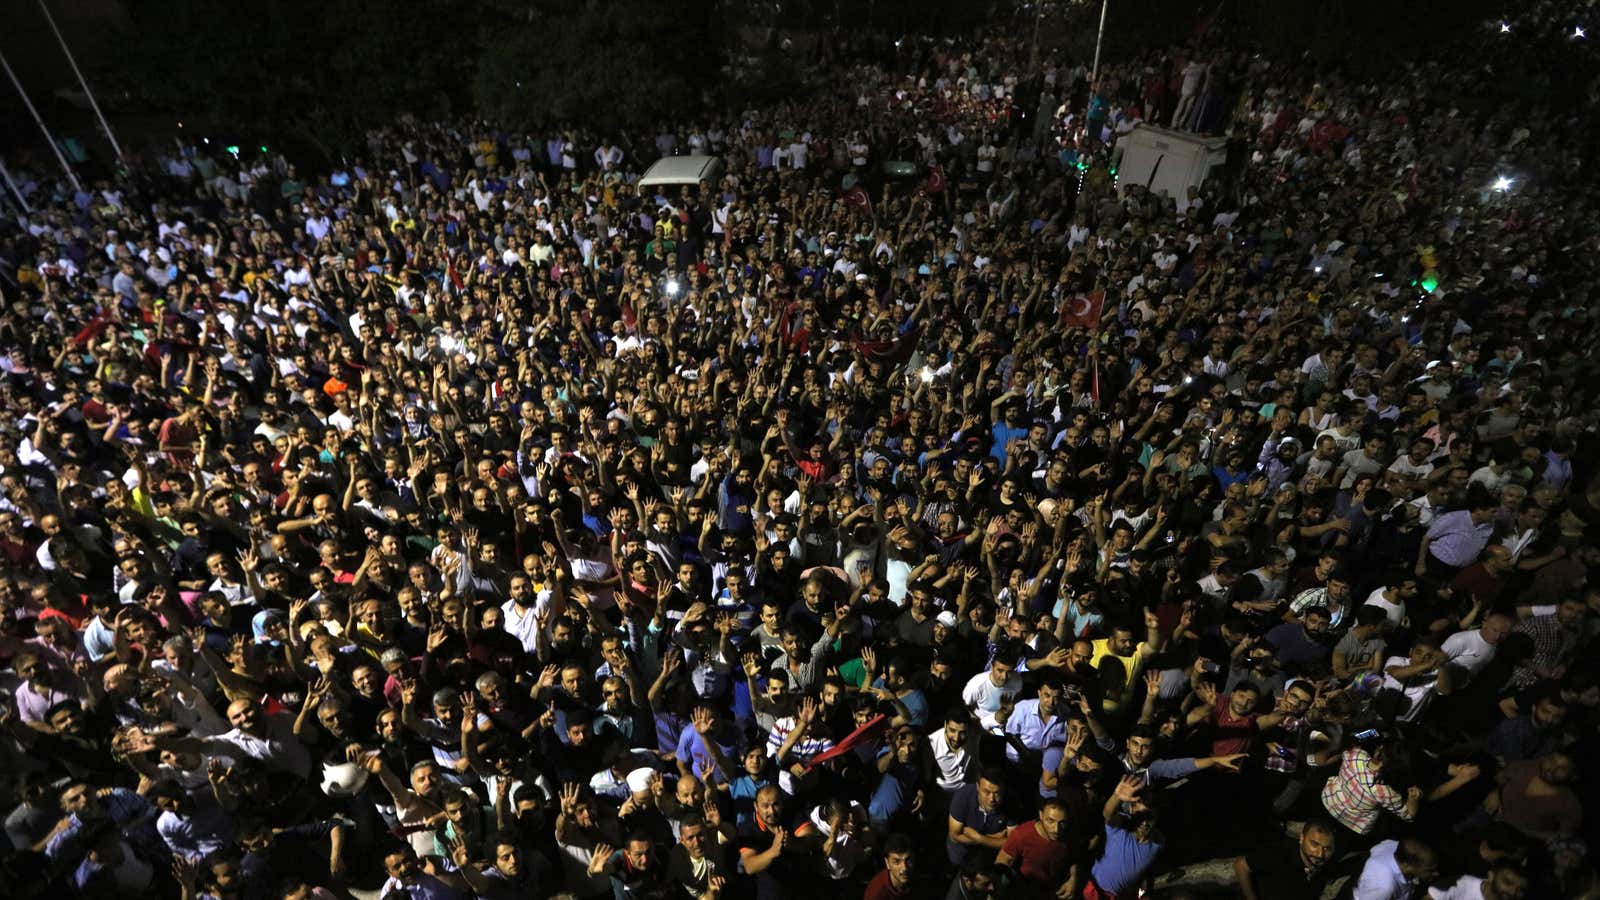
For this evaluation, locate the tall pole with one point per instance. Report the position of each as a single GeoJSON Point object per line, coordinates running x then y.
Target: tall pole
{"type": "Point", "coordinates": [104, 125]}
{"type": "Point", "coordinates": [1038, 17]}
{"type": "Point", "coordinates": [5, 175]}
{"type": "Point", "coordinates": [65, 166]}
{"type": "Point", "coordinates": [1094, 70]}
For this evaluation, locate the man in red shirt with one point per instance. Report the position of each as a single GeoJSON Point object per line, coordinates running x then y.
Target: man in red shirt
{"type": "Point", "coordinates": [1484, 580]}
{"type": "Point", "coordinates": [899, 871]}
{"type": "Point", "coordinates": [1233, 723]}
{"type": "Point", "coordinates": [1044, 854]}
{"type": "Point", "coordinates": [179, 436]}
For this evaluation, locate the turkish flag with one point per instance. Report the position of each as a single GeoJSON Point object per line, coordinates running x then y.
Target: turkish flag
{"type": "Point", "coordinates": [867, 732]}
{"type": "Point", "coordinates": [1083, 311]}
{"type": "Point", "coordinates": [895, 352]}
{"type": "Point", "coordinates": [934, 183]}
{"type": "Point", "coordinates": [857, 196]}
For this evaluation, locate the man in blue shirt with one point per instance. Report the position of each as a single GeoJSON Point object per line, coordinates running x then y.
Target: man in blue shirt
{"type": "Point", "coordinates": [1300, 645]}
{"type": "Point", "coordinates": [978, 821]}
{"type": "Point", "coordinates": [1037, 722]}
{"type": "Point", "coordinates": [1009, 427]}
{"type": "Point", "coordinates": [1132, 843]}
{"type": "Point", "coordinates": [735, 498]}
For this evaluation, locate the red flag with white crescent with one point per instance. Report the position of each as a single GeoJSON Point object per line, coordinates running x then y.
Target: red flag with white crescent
{"type": "Point", "coordinates": [934, 183]}
{"type": "Point", "coordinates": [857, 196]}
{"type": "Point", "coordinates": [874, 727]}
{"type": "Point", "coordinates": [1083, 311]}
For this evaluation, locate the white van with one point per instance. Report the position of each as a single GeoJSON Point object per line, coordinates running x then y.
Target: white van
{"type": "Point", "coordinates": [683, 170]}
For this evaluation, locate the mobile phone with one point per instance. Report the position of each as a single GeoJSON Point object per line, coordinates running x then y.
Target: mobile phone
{"type": "Point", "coordinates": [1367, 734]}
{"type": "Point", "coordinates": [1208, 666]}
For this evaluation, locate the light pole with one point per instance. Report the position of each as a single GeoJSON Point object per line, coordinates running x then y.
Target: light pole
{"type": "Point", "coordinates": [1094, 70]}
{"type": "Point", "coordinates": [104, 125]}
{"type": "Point", "coordinates": [1038, 18]}
{"type": "Point", "coordinates": [49, 139]}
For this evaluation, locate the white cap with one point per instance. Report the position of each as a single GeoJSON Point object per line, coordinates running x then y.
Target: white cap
{"type": "Point", "coordinates": [946, 618]}
{"type": "Point", "coordinates": [639, 779]}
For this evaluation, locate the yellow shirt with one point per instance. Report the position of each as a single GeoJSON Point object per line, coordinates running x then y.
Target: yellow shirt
{"type": "Point", "coordinates": [1117, 673]}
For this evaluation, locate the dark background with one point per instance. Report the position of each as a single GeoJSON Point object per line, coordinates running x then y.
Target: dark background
{"type": "Point", "coordinates": [309, 76]}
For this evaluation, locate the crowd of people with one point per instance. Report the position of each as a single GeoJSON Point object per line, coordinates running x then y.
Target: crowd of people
{"type": "Point", "coordinates": [468, 522]}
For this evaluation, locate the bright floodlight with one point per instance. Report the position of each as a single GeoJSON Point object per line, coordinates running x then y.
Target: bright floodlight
{"type": "Point", "coordinates": [1505, 28]}
{"type": "Point", "coordinates": [1502, 183]}
{"type": "Point", "coordinates": [1578, 33]}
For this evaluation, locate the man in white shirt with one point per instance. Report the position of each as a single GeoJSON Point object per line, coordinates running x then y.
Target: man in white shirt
{"type": "Point", "coordinates": [955, 751]}
{"type": "Point", "coordinates": [1471, 651]}
{"type": "Point", "coordinates": [269, 740]}
{"type": "Point", "coordinates": [1505, 882]}
{"type": "Point", "coordinates": [1194, 75]}
{"type": "Point", "coordinates": [1418, 677]}
{"type": "Point", "coordinates": [1397, 870]}
{"type": "Point", "coordinates": [987, 692]}
{"type": "Point", "coordinates": [1392, 600]}
{"type": "Point", "coordinates": [523, 610]}
{"type": "Point", "coordinates": [608, 156]}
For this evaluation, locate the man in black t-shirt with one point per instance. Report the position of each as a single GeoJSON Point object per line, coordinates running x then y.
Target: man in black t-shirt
{"type": "Point", "coordinates": [1289, 868]}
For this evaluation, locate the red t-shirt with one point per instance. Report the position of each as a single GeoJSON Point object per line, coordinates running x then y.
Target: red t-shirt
{"type": "Point", "coordinates": [177, 432]}
{"type": "Point", "coordinates": [1039, 859]}
{"type": "Point", "coordinates": [1233, 734]}
{"type": "Point", "coordinates": [880, 888]}
{"type": "Point", "coordinates": [1476, 582]}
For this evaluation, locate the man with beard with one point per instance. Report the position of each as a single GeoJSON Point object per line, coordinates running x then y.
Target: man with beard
{"type": "Point", "coordinates": [1294, 869]}
{"type": "Point", "coordinates": [1043, 854]}
{"type": "Point", "coordinates": [79, 744]}
{"type": "Point", "coordinates": [637, 870]}
{"type": "Point", "coordinates": [510, 875]}
{"type": "Point", "coordinates": [696, 866]}
{"type": "Point", "coordinates": [410, 879]}
{"type": "Point", "coordinates": [267, 738]}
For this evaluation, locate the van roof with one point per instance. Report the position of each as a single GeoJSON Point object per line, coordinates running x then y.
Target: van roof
{"type": "Point", "coordinates": [682, 170]}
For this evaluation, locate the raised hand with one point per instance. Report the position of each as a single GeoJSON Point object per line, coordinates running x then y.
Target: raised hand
{"type": "Point", "coordinates": [703, 721]}
{"type": "Point", "coordinates": [807, 712]}
{"type": "Point", "coordinates": [569, 799]}
{"type": "Point", "coordinates": [217, 771]}
{"type": "Point", "coordinates": [1229, 762]}
{"type": "Point", "coordinates": [1128, 788]}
